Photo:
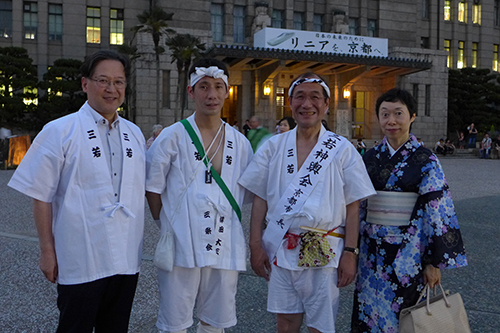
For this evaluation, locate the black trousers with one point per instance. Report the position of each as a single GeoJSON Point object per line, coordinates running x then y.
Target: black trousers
{"type": "Point", "coordinates": [104, 304]}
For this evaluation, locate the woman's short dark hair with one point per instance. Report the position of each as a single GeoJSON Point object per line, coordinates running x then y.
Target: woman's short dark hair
{"type": "Point", "coordinates": [398, 95]}
{"type": "Point", "coordinates": [91, 62]}
{"type": "Point", "coordinates": [290, 120]}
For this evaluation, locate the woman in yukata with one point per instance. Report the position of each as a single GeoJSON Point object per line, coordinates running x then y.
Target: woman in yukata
{"type": "Point", "coordinates": [409, 230]}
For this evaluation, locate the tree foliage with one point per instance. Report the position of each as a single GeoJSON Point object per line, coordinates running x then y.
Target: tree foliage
{"type": "Point", "coordinates": [184, 48]}
{"type": "Point", "coordinates": [63, 92]}
{"type": "Point", "coordinates": [18, 82]}
{"type": "Point", "coordinates": [154, 22]}
{"type": "Point", "coordinates": [473, 97]}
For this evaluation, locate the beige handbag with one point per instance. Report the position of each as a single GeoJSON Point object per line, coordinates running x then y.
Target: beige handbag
{"type": "Point", "coordinates": [438, 314]}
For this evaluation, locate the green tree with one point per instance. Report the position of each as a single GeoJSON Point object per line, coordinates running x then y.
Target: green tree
{"type": "Point", "coordinates": [129, 50]}
{"type": "Point", "coordinates": [18, 82]}
{"type": "Point", "coordinates": [63, 92]}
{"type": "Point", "coordinates": [184, 48]}
{"type": "Point", "coordinates": [473, 97]}
{"type": "Point", "coordinates": [154, 22]}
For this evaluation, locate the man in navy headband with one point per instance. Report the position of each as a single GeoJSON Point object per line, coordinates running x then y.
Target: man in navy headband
{"type": "Point", "coordinates": [307, 184]}
{"type": "Point", "coordinates": [192, 172]}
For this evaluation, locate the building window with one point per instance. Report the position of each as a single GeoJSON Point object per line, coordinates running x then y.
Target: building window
{"type": "Point", "coordinates": [372, 28]}
{"type": "Point", "coordinates": [166, 89]}
{"type": "Point", "coordinates": [5, 18]}
{"type": "Point", "coordinates": [298, 21]}
{"type": "Point", "coordinates": [462, 11]}
{"type": "Point", "coordinates": [280, 102]}
{"type": "Point", "coordinates": [55, 22]}
{"type": "Point", "coordinates": [217, 21]}
{"type": "Point", "coordinates": [425, 9]}
{"type": "Point", "coordinates": [239, 24]}
{"type": "Point", "coordinates": [30, 11]}
{"type": "Point", "coordinates": [447, 10]}
{"type": "Point", "coordinates": [447, 48]}
{"type": "Point", "coordinates": [278, 20]}
{"type": "Point", "coordinates": [318, 22]}
{"type": "Point", "coordinates": [496, 13]}
{"type": "Point", "coordinates": [353, 26]}
{"type": "Point", "coordinates": [116, 27]}
{"type": "Point", "coordinates": [361, 101]}
{"type": "Point", "coordinates": [495, 57]}
{"type": "Point", "coordinates": [30, 91]}
{"type": "Point", "coordinates": [476, 14]}
{"type": "Point", "coordinates": [424, 42]}
{"type": "Point", "coordinates": [415, 95]}
{"type": "Point", "coordinates": [474, 55]}
{"type": "Point", "coordinates": [460, 55]}
{"type": "Point", "coordinates": [427, 100]}
{"type": "Point", "coordinates": [94, 25]}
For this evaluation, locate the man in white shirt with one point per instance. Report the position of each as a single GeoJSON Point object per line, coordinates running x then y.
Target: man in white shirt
{"type": "Point", "coordinates": [185, 165]}
{"type": "Point", "coordinates": [307, 184]}
{"type": "Point", "coordinates": [86, 175]}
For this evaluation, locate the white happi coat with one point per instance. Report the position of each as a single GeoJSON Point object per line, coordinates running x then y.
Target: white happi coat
{"type": "Point", "coordinates": [95, 235]}
{"type": "Point", "coordinates": [343, 181]}
{"type": "Point", "coordinates": [207, 230]}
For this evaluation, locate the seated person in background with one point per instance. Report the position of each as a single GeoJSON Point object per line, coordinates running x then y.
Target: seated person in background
{"type": "Point", "coordinates": [461, 141]}
{"type": "Point", "coordinates": [449, 147]}
{"type": "Point", "coordinates": [419, 140]}
{"type": "Point", "coordinates": [439, 148]}
{"type": "Point", "coordinates": [485, 147]}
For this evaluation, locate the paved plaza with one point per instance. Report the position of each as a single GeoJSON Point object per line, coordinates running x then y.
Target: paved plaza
{"type": "Point", "coordinates": [28, 301]}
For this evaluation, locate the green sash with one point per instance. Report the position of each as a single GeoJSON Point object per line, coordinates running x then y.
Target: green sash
{"type": "Point", "coordinates": [217, 177]}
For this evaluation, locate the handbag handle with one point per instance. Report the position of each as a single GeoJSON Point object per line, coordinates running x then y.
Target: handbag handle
{"type": "Point", "coordinates": [427, 292]}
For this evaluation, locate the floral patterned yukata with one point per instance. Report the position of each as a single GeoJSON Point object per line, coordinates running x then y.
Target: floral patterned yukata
{"type": "Point", "coordinates": [392, 258]}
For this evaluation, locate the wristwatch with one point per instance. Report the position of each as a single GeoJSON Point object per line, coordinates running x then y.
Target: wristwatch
{"type": "Point", "coordinates": [354, 250]}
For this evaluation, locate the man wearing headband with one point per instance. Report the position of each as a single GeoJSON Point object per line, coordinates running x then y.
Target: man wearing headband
{"type": "Point", "coordinates": [185, 167]}
{"type": "Point", "coordinates": [307, 184]}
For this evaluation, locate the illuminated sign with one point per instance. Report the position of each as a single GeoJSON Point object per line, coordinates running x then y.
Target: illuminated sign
{"type": "Point", "coordinates": [299, 40]}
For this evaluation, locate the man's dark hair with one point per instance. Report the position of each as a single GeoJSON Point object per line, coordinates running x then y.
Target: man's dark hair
{"type": "Point", "coordinates": [208, 62]}
{"type": "Point", "coordinates": [398, 95]}
{"type": "Point", "coordinates": [91, 62]}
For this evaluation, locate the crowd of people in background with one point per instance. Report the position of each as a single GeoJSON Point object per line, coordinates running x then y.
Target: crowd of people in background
{"type": "Point", "coordinates": [489, 142]}
{"type": "Point", "coordinates": [259, 134]}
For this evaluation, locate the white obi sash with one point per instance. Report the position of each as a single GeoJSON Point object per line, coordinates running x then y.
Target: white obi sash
{"type": "Point", "coordinates": [391, 208]}
{"type": "Point", "coordinates": [298, 191]}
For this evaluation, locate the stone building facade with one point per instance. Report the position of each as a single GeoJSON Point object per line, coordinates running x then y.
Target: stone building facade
{"type": "Point", "coordinates": [424, 37]}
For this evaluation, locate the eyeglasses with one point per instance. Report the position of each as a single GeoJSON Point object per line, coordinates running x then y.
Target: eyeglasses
{"type": "Point", "coordinates": [104, 83]}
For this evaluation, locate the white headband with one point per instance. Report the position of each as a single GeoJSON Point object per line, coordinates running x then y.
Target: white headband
{"type": "Point", "coordinates": [212, 71]}
{"type": "Point", "coordinates": [309, 80]}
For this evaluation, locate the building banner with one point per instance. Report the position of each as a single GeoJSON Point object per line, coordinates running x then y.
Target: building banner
{"type": "Point", "coordinates": [299, 40]}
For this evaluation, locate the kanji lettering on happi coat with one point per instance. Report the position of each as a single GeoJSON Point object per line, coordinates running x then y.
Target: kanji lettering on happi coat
{"type": "Point", "coordinates": [91, 134]}
{"type": "Point", "coordinates": [96, 151]}
{"type": "Point", "coordinates": [305, 181]}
